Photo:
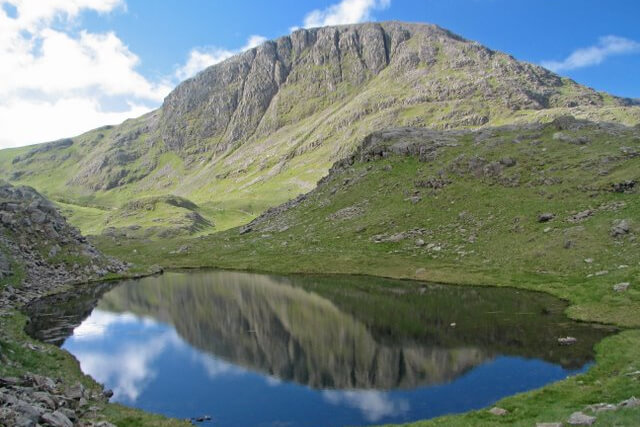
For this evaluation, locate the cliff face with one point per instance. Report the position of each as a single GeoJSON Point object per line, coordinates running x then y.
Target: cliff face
{"type": "Point", "coordinates": [286, 80]}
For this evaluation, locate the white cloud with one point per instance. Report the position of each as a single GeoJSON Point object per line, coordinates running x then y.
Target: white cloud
{"type": "Point", "coordinates": [374, 405]}
{"type": "Point", "coordinates": [345, 12]}
{"type": "Point", "coordinates": [57, 82]}
{"type": "Point", "coordinates": [199, 59]}
{"type": "Point", "coordinates": [593, 55]}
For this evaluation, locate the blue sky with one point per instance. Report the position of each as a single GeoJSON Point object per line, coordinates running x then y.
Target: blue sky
{"type": "Point", "coordinates": [71, 65]}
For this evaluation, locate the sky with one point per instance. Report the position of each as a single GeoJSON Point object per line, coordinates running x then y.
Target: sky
{"type": "Point", "coordinates": [68, 66]}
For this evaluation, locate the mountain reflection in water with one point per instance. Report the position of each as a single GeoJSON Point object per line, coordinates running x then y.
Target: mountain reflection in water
{"type": "Point", "coordinates": [356, 349]}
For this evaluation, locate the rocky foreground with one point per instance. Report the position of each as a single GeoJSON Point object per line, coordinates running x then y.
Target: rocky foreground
{"type": "Point", "coordinates": [40, 254]}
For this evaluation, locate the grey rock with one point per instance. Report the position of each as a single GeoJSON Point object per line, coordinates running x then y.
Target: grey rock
{"type": "Point", "coordinates": [581, 216]}
{"type": "Point", "coordinates": [22, 421]}
{"type": "Point", "coordinates": [567, 340]}
{"type": "Point", "coordinates": [45, 398]}
{"type": "Point", "coordinates": [75, 391]}
{"type": "Point", "coordinates": [621, 287]}
{"type": "Point", "coordinates": [54, 251]}
{"type": "Point", "coordinates": [56, 419]}
{"type": "Point", "coordinates": [420, 243]}
{"type": "Point", "coordinates": [498, 411]}
{"type": "Point", "coordinates": [508, 161]}
{"type": "Point", "coordinates": [69, 413]}
{"type": "Point", "coordinates": [28, 410]}
{"type": "Point", "coordinates": [545, 217]}
{"type": "Point", "coordinates": [601, 407]}
{"type": "Point", "coordinates": [8, 399]}
{"type": "Point", "coordinates": [581, 419]}
{"type": "Point", "coordinates": [623, 187]}
{"type": "Point", "coordinates": [620, 228]}
{"type": "Point", "coordinates": [548, 424]}
{"type": "Point", "coordinates": [10, 381]}
{"type": "Point", "coordinates": [632, 402]}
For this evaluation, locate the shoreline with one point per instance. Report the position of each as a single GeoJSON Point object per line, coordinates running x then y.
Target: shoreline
{"type": "Point", "coordinates": [115, 411]}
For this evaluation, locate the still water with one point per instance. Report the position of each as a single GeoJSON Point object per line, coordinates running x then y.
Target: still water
{"type": "Point", "coordinates": [259, 350]}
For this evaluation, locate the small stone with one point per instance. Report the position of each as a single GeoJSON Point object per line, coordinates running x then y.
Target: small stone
{"type": "Point", "coordinates": [588, 260]}
{"type": "Point", "coordinates": [545, 217]}
{"type": "Point", "coordinates": [420, 243]}
{"type": "Point", "coordinates": [567, 341]}
{"type": "Point", "coordinates": [108, 393]}
{"type": "Point", "coordinates": [601, 273]}
{"type": "Point", "coordinates": [54, 251]}
{"type": "Point", "coordinates": [498, 411]}
{"type": "Point", "coordinates": [581, 419]}
{"type": "Point", "coordinates": [546, 229]}
{"type": "Point", "coordinates": [548, 424]}
{"type": "Point", "coordinates": [621, 287]}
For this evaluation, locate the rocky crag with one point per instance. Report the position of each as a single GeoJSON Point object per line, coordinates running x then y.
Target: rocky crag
{"type": "Point", "coordinates": [39, 251]}
{"type": "Point", "coordinates": [41, 254]}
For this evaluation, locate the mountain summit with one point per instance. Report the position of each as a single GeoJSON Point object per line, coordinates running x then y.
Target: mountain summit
{"type": "Point", "coordinates": [265, 125]}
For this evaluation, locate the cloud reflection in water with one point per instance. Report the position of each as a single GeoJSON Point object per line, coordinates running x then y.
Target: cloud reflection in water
{"type": "Point", "coordinates": [374, 405]}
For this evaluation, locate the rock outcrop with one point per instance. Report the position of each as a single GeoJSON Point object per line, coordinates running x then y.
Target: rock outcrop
{"type": "Point", "coordinates": [39, 251]}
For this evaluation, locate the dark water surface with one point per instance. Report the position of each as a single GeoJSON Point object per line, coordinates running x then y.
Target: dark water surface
{"type": "Point", "coordinates": [258, 350]}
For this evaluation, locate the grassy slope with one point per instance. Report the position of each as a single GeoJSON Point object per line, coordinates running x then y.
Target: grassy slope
{"type": "Point", "coordinates": [511, 247]}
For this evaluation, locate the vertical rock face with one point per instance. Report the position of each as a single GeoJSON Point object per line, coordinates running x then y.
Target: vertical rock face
{"type": "Point", "coordinates": [227, 102]}
{"type": "Point", "coordinates": [294, 76]}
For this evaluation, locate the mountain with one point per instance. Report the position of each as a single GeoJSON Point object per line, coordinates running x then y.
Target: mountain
{"type": "Point", "coordinates": [265, 125]}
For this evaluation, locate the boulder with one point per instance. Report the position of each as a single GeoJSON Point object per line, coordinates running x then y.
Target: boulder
{"type": "Point", "coordinates": [56, 419]}
{"type": "Point", "coordinates": [632, 402]}
{"type": "Point", "coordinates": [620, 227]}
{"type": "Point", "coordinates": [498, 411]}
{"type": "Point", "coordinates": [581, 419]}
{"type": "Point", "coordinates": [621, 287]}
